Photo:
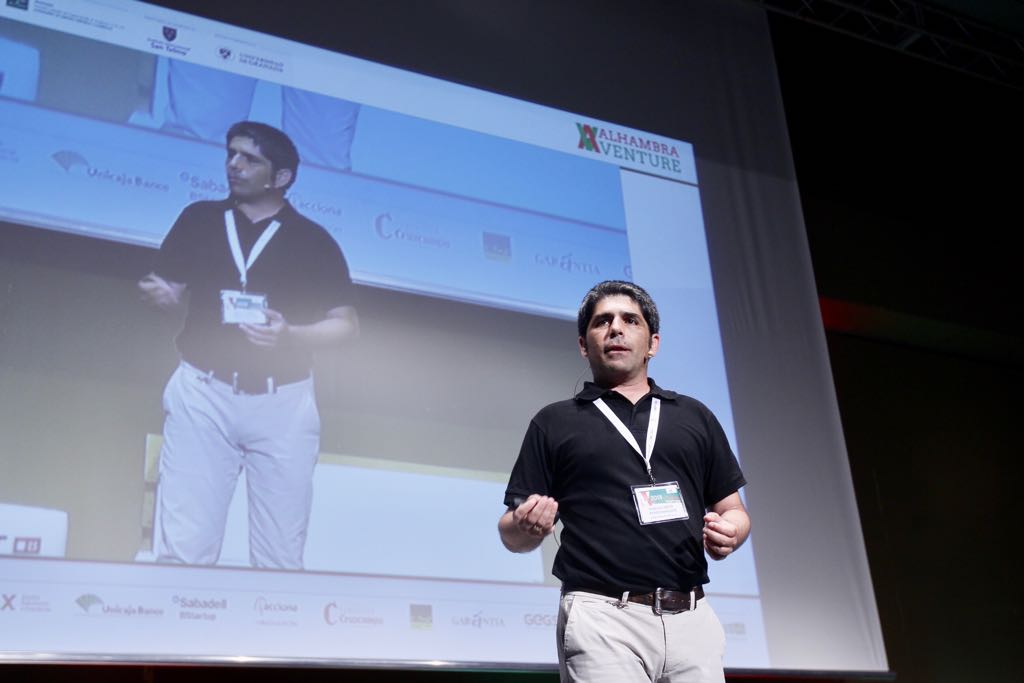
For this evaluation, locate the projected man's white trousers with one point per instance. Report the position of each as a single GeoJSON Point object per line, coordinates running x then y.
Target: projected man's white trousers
{"type": "Point", "coordinates": [212, 434]}
{"type": "Point", "coordinates": [600, 642]}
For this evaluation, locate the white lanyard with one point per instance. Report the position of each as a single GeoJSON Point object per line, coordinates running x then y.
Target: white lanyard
{"type": "Point", "coordinates": [652, 429]}
{"type": "Point", "coordinates": [244, 265]}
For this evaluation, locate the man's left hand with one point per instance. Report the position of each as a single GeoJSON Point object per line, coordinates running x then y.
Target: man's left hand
{"type": "Point", "coordinates": [720, 536]}
{"type": "Point", "coordinates": [271, 334]}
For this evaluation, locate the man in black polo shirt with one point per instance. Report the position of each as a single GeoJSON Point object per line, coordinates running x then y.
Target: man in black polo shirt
{"type": "Point", "coordinates": [644, 483]}
{"type": "Point", "coordinates": [265, 286]}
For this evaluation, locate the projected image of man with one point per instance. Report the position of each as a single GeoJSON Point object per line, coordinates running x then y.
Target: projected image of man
{"type": "Point", "coordinates": [263, 287]}
{"type": "Point", "coordinates": [644, 483]}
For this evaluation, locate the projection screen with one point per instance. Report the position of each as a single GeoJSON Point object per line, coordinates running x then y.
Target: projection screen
{"type": "Point", "coordinates": [472, 223]}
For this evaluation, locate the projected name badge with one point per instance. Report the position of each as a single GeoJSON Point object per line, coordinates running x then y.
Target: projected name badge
{"type": "Point", "coordinates": [242, 307]}
{"type": "Point", "coordinates": [659, 503]}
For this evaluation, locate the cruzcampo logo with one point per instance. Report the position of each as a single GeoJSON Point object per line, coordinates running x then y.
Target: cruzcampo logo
{"type": "Point", "coordinates": [588, 138]}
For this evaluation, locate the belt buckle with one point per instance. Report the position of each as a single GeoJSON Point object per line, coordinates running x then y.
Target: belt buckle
{"type": "Point", "coordinates": [657, 601]}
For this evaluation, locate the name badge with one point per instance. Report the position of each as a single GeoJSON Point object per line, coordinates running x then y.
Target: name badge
{"type": "Point", "coordinates": [243, 307]}
{"type": "Point", "coordinates": [658, 503]}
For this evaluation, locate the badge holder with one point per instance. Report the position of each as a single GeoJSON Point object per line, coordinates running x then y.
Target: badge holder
{"type": "Point", "coordinates": [657, 503]}
{"type": "Point", "coordinates": [243, 307]}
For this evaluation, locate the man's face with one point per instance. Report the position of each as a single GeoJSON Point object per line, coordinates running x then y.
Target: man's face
{"type": "Point", "coordinates": [618, 342]}
{"type": "Point", "coordinates": [250, 174]}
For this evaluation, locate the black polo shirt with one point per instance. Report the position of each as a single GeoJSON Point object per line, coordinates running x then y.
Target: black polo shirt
{"type": "Point", "coordinates": [572, 453]}
{"type": "Point", "coordinates": [302, 271]}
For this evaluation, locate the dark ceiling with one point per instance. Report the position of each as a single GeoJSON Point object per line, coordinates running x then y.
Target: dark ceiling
{"type": "Point", "coordinates": [909, 175]}
{"type": "Point", "coordinates": [1007, 15]}
{"type": "Point", "coordinates": [981, 39]}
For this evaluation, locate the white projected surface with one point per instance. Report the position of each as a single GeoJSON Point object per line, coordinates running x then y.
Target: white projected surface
{"type": "Point", "coordinates": [452, 193]}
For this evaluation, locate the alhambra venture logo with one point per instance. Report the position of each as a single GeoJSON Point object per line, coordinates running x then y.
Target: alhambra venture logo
{"type": "Point", "coordinates": [627, 147]}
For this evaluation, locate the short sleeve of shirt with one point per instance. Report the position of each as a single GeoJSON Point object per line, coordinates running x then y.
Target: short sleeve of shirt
{"type": "Point", "coordinates": [331, 282]}
{"type": "Point", "coordinates": [722, 471]}
{"type": "Point", "coordinates": [326, 283]}
{"type": "Point", "coordinates": [532, 471]}
{"type": "Point", "coordinates": [175, 260]}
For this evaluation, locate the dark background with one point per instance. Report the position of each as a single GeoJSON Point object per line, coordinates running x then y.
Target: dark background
{"type": "Point", "coordinates": [910, 190]}
{"type": "Point", "coordinates": [908, 175]}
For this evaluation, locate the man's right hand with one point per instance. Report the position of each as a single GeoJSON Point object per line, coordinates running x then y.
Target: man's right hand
{"type": "Point", "coordinates": [161, 293]}
{"type": "Point", "coordinates": [523, 528]}
{"type": "Point", "coordinates": [536, 515]}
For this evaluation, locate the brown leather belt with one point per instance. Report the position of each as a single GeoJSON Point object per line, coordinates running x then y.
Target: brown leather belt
{"type": "Point", "coordinates": [661, 600]}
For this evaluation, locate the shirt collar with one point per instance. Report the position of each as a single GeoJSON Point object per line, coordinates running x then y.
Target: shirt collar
{"type": "Point", "coordinates": [282, 215]}
{"type": "Point", "coordinates": [592, 392]}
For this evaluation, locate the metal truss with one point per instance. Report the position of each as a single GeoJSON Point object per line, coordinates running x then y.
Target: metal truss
{"type": "Point", "coordinates": [920, 30]}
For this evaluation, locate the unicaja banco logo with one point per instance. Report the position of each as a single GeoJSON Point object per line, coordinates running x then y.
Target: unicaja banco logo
{"type": "Point", "coordinates": [88, 601]}
{"type": "Point", "coordinates": [629, 147]}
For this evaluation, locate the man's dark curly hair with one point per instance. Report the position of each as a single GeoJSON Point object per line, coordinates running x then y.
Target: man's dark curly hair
{"type": "Point", "coordinates": [274, 144]}
{"type": "Point", "coordinates": [611, 288]}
